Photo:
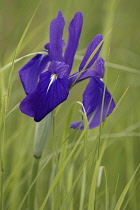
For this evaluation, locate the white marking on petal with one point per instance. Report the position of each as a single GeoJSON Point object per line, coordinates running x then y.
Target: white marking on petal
{"type": "Point", "coordinates": [52, 79]}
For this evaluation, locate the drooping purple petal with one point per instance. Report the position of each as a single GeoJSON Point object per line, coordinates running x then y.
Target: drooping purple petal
{"type": "Point", "coordinates": [75, 28]}
{"type": "Point", "coordinates": [50, 92]}
{"type": "Point", "coordinates": [77, 125]}
{"type": "Point", "coordinates": [92, 46]}
{"type": "Point", "coordinates": [92, 101]}
{"type": "Point", "coordinates": [30, 72]}
{"type": "Point", "coordinates": [58, 68]}
{"type": "Point", "coordinates": [56, 41]}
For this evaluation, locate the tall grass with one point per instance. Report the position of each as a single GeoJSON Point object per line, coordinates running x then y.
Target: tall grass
{"type": "Point", "coordinates": [75, 171]}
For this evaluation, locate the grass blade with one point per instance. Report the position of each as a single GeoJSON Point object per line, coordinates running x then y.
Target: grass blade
{"type": "Point", "coordinates": [123, 194]}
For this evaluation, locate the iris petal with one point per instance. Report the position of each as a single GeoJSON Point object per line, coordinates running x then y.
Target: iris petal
{"type": "Point", "coordinates": [98, 71]}
{"type": "Point", "coordinates": [58, 68]}
{"type": "Point", "coordinates": [79, 76]}
{"type": "Point", "coordinates": [47, 96]}
{"type": "Point", "coordinates": [75, 28]}
{"type": "Point", "coordinates": [99, 67]}
{"type": "Point", "coordinates": [56, 41]}
{"type": "Point", "coordinates": [77, 125]}
{"type": "Point", "coordinates": [92, 101]}
{"type": "Point", "coordinates": [30, 72]}
{"type": "Point", "coordinates": [92, 46]}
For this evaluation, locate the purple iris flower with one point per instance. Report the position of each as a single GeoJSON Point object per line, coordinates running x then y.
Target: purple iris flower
{"type": "Point", "coordinates": [46, 78]}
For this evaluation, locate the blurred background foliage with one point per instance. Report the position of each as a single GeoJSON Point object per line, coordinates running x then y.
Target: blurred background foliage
{"type": "Point", "coordinates": [122, 54]}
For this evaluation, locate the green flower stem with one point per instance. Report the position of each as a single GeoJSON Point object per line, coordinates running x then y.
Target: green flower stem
{"type": "Point", "coordinates": [41, 135]}
{"type": "Point", "coordinates": [31, 200]}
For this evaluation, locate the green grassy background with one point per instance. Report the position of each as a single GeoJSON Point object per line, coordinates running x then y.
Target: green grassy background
{"type": "Point", "coordinates": [122, 133]}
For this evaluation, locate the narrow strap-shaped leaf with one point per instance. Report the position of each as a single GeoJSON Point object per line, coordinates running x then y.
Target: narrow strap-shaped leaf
{"type": "Point", "coordinates": [123, 194]}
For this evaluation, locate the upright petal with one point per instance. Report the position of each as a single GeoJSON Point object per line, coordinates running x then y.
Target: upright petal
{"type": "Point", "coordinates": [92, 46]}
{"type": "Point", "coordinates": [79, 76]}
{"type": "Point", "coordinates": [56, 41]}
{"type": "Point", "coordinates": [75, 28]}
{"type": "Point", "coordinates": [30, 72]}
{"type": "Point", "coordinates": [98, 71]}
{"type": "Point", "coordinates": [99, 67]}
{"type": "Point", "coordinates": [92, 101]}
{"type": "Point", "coordinates": [48, 95]}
